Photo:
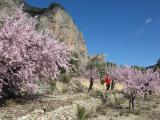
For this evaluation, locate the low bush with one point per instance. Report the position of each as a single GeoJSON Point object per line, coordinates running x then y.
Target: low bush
{"type": "Point", "coordinates": [65, 78]}
{"type": "Point", "coordinates": [81, 113]}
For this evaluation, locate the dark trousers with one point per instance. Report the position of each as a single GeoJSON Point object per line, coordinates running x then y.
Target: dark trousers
{"type": "Point", "coordinates": [107, 86]}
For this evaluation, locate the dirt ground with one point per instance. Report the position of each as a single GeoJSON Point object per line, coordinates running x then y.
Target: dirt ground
{"type": "Point", "coordinates": [13, 109]}
{"type": "Point", "coordinates": [148, 109]}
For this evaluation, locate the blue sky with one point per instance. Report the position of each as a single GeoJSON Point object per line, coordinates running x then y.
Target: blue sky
{"type": "Point", "coordinates": [126, 31]}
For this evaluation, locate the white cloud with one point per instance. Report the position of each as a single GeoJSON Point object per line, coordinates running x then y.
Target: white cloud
{"type": "Point", "coordinates": [140, 30]}
{"type": "Point", "coordinates": [148, 20]}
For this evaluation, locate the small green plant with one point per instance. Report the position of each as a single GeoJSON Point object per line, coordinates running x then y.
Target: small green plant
{"type": "Point", "coordinates": [65, 78]}
{"type": "Point", "coordinates": [102, 82]}
{"type": "Point", "coordinates": [96, 93]}
{"type": "Point", "coordinates": [52, 84]}
{"type": "Point", "coordinates": [81, 113]}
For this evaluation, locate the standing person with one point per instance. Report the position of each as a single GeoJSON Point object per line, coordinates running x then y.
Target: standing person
{"type": "Point", "coordinates": [107, 81]}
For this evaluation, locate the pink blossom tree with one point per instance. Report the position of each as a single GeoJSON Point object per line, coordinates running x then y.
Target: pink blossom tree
{"type": "Point", "coordinates": [92, 74]}
{"type": "Point", "coordinates": [27, 55]}
{"type": "Point", "coordinates": [151, 80]}
{"type": "Point", "coordinates": [137, 82]}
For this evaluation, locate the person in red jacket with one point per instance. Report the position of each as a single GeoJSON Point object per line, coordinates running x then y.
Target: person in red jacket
{"type": "Point", "coordinates": [107, 81]}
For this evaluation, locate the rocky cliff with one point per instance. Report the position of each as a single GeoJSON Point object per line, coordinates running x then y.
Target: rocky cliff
{"type": "Point", "coordinates": [58, 20]}
{"type": "Point", "coordinates": [7, 7]}
{"type": "Point", "coordinates": [54, 18]}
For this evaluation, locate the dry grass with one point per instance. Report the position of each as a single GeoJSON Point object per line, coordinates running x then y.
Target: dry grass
{"type": "Point", "coordinates": [97, 84]}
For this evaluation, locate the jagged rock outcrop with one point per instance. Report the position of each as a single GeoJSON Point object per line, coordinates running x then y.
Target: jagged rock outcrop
{"type": "Point", "coordinates": [98, 58]}
{"type": "Point", "coordinates": [56, 19]}
{"type": "Point", "coordinates": [7, 7]}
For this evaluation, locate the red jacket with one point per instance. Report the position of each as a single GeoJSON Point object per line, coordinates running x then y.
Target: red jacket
{"type": "Point", "coordinates": [107, 80]}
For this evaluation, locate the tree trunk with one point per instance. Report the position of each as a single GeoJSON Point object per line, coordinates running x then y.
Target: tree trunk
{"type": "Point", "coordinates": [131, 102]}
{"type": "Point", "coordinates": [112, 85]}
{"type": "Point", "coordinates": [145, 96]}
{"type": "Point", "coordinates": [91, 84]}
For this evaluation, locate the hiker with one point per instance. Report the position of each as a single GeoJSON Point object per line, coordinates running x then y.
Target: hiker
{"type": "Point", "coordinates": [107, 81]}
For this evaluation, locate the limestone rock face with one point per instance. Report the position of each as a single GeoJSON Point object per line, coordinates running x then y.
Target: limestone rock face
{"type": "Point", "coordinates": [7, 7]}
{"type": "Point", "coordinates": [57, 20]}
{"type": "Point", "coordinates": [62, 25]}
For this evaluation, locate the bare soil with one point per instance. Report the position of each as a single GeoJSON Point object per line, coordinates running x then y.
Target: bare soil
{"type": "Point", "coordinates": [148, 109]}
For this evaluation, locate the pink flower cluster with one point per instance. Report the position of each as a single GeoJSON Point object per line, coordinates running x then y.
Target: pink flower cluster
{"type": "Point", "coordinates": [91, 72]}
{"type": "Point", "coordinates": [136, 81]}
{"type": "Point", "coordinates": [26, 55]}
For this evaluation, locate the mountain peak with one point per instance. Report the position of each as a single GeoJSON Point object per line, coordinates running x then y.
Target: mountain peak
{"type": "Point", "coordinates": [33, 11]}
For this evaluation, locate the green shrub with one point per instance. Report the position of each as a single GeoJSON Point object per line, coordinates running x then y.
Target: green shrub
{"type": "Point", "coordinates": [102, 82]}
{"type": "Point", "coordinates": [81, 113]}
{"type": "Point", "coordinates": [65, 78]}
{"type": "Point", "coordinates": [96, 93]}
{"type": "Point", "coordinates": [52, 84]}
